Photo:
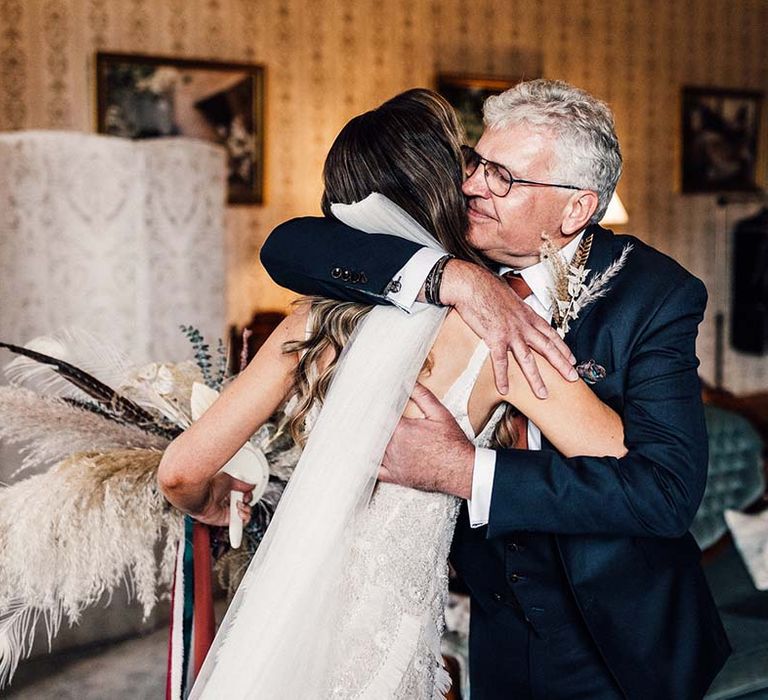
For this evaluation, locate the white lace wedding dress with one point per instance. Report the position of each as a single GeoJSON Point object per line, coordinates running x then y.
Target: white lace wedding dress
{"type": "Point", "coordinates": [344, 597]}
{"type": "Point", "coordinates": [387, 641]}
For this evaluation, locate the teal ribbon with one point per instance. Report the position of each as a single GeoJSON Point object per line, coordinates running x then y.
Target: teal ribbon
{"type": "Point", "coordinates": [189, 601]}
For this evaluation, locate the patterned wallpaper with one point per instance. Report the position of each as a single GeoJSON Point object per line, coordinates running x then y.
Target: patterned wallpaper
{"type": "Point", "coordinates": [329, 59]}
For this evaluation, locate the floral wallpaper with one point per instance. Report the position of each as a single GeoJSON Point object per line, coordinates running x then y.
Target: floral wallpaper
{"type": "Point", "coordinates": [329, 59]}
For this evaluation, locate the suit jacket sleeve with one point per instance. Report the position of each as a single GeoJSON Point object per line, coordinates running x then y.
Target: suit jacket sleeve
{"type": "Point", "coordinates": [322, 256]}
{"type": "Point", "coordinates": [654, 490]}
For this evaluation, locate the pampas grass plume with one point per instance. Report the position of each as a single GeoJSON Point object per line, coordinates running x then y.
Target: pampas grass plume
{"type": "Point", "coordinates": [75, 533]}
{"type": "Point", "coordinates": [54, 428]}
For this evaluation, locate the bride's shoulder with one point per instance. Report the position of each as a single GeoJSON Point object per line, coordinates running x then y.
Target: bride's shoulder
{"type": "Point", "coordinates": [455, 329]}
{"type": "Point", "coordinates": [301, 333]}
{"type": "Point", "coordinates": [295, 325]}
{"type": "Point", "coordinates": [454, 346]}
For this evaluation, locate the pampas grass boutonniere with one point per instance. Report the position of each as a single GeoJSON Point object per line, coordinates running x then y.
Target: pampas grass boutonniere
{"type": "Point", "coordinates": [571, 293]}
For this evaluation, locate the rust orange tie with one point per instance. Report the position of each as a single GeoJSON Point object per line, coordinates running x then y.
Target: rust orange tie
{"type": "Point", "coordinates": [521, 288]}
{"type": "Point", "coordinates": [518, 284]}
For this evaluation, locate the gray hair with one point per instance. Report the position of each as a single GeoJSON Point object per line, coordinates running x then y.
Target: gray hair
{"type": "Point", "coordinates": [587, 149]}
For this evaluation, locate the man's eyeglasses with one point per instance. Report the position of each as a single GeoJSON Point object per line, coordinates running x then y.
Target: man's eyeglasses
{"type": "Point", "coordinates": [497, 177]}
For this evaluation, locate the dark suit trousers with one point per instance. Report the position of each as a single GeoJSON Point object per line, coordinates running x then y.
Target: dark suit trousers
{"type": "Point", "coordinates": [563, 663]}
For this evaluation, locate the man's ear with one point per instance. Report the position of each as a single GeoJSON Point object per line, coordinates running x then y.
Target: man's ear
{"type": "Point", "coordinates": [578, 211]}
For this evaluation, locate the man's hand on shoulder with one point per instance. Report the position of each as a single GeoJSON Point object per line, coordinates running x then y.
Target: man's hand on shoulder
{"type": "Point", "coordinates": [506, 323]}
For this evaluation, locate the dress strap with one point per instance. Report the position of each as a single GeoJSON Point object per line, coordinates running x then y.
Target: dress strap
{"type": "Point", "coordinates": [475, 363]}
{"type": "Point", "coordinates": [456, 399]}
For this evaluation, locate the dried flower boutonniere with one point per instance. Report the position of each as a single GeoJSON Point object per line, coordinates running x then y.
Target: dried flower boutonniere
{"type": "Point", "coordinates": [570, 292]}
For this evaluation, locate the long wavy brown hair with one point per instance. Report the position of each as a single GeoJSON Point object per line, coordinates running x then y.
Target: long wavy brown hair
{"type": "Point", "coordinates": [409, 150]}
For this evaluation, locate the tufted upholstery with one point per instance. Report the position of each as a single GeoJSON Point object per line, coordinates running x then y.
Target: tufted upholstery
{"type": "Point", "coordinates": [735, 479]}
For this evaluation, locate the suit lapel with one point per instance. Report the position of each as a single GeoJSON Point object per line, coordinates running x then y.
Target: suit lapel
{"type": "Point", "coordinates": [601, 255]}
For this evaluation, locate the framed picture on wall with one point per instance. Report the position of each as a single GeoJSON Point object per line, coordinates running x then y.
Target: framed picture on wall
{"type": "Point", "coordinates": [142, 97]}
{"type": "Point", "coordinates": [721, 144]}
{"type": "Point", "coordinates": [466, 93]}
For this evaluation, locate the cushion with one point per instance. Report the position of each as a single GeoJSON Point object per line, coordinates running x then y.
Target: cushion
{"type": "Point", "coordinates": [735, 478]}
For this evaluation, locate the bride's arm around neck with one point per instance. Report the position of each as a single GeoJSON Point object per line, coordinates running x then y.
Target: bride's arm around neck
{"type": "Point", "coordinates": [573, 418]}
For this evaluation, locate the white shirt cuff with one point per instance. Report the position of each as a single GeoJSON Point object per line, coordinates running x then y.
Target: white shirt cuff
{"type": "Point", "coordinates": [479, 505]}
{"type": "Point", "coordinates": [411, 277]}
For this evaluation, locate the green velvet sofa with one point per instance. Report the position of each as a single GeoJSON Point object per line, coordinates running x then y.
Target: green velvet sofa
{"type": "Point", "coordinates": [736, 480]}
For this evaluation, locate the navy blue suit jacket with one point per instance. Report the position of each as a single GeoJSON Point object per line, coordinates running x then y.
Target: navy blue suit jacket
{"type": "Point", "coordinates": [621, 525]}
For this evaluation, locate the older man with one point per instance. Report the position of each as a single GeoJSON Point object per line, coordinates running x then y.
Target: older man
{"type": "Point", "coordinates": [584, 579]}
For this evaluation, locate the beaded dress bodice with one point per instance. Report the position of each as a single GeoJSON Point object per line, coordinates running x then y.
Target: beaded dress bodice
{"type": "Point", "coordinates": [387, 644]}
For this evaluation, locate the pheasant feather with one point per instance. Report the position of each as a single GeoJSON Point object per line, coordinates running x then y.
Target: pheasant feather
{"type": "Point", "coordinates": [77, 346]}
{"type": "Point", "coordinates": [54, 428]}
{"type": "Point", "coordinates": [119, 405]}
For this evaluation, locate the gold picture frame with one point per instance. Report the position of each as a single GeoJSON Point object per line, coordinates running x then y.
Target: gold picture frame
{"type": "Point", "coordinates": [722, 140]}
{"type": "Point", "coordinates": [466, 94]}
{"type": "Point", "coordinates": [139, 96]}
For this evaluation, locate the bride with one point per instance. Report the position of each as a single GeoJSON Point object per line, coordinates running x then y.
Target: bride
{"type": "Point", "coordinates": [345, 596]}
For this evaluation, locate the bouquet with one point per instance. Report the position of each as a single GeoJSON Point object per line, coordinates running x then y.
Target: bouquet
{"type": "Point", "coordinates": [93, 426]}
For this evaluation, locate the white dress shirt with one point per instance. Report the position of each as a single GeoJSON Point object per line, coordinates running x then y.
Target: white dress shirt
{"type": "Point", "coordinates": [539, 279]}
{"type": "Point", "coordinates": [411, 277]}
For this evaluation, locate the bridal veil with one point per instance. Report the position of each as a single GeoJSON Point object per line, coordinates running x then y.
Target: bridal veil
{"type": "Point", "coordinates": [275, 637]}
